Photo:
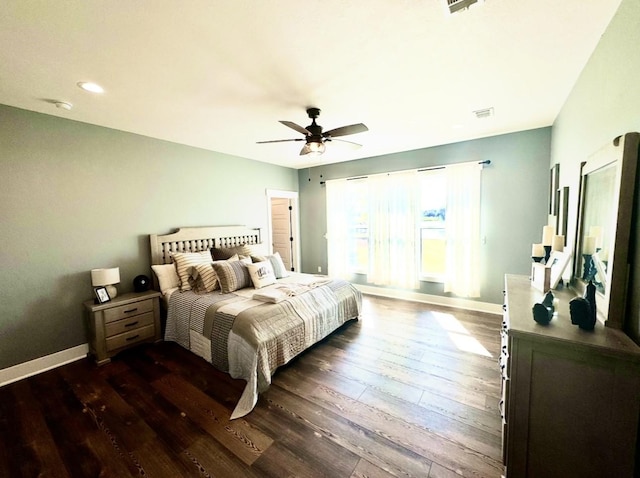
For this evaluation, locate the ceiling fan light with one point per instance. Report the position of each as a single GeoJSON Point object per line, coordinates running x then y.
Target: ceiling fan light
{"type": "Point", "coordinates": [315, 148]}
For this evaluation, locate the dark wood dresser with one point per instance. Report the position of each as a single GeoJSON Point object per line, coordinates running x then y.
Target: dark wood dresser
{"type": "Point", "coordinates": [570, 398]}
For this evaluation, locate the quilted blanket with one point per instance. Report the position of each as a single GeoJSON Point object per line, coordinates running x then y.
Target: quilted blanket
{"type": "Point", "coordinates": [251, 337]}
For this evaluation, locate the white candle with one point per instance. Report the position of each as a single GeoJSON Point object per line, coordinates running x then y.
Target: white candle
{"type": "Point", "coordinates": [558, 243]}
{"type": "Point", "coordinates": [547, 235]}
{"type": "Point", "coordinates": [589, 246]}
{"type": "Point", "coordinates": [537, 250]}
{"type": "Point", "coordinates": [596, 231]}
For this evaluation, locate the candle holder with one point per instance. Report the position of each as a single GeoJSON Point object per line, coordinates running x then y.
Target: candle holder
{"type": "Point", "coordinates": [547, 253]}
{"type": "Point", "coordinates": [537, 259]}
{"type": "Point", "coordinates": [588, 267]}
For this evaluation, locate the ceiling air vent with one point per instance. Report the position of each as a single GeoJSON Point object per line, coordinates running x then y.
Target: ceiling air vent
{"type": "Point", "coordinates": [483, 113]}
{"type": "Point", "coordinates": [455, 5]}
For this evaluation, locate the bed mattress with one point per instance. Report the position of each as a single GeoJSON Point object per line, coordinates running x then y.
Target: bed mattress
{"type": "Point", "coordinates": [251, 332]}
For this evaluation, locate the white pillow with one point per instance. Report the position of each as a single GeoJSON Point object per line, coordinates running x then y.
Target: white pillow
{"type": "Point", "coordinates": [167, 276]}
{"type": "Point", "coordinates": [261, 274]}
{"type": "Point", "coordinates": [276, 261]}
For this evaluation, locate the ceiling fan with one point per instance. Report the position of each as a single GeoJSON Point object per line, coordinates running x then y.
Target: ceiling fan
{"type": "Point", "coordinates": [314, 137]}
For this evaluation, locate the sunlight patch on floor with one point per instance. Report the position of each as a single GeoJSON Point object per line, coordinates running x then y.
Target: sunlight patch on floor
{"type": "Point", "coordinates": [459, 335]}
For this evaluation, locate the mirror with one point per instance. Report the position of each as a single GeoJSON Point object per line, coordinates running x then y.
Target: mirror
{"type": "Point", "coordinates": [598, 189]}
{"type": "Point", "coordinates": [604, 226]}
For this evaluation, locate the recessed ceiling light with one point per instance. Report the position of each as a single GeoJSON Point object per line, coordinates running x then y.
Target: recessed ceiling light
{"type": "Point", "coordinates": [92, 87]}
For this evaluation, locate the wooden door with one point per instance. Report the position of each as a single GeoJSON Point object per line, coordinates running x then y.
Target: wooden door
{"type": "Point", "coordinates": [282, 237]}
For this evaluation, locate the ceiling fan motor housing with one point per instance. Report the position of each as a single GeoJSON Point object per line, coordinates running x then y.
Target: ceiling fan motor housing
{"type": "Point", "coordinates": [313, 112]}
{"type": "Point", "coordinates": [313, 128]}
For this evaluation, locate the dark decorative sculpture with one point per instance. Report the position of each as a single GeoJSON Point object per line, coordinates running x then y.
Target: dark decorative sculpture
{"type": "Point", "coordinates": [583, 309]}
{"type": "Point", "coordinates": [590, 296]}
{"type": "Point", "coordinates": [543, 311]}
{"type": "Point", "coordinates": [548, 302]}
{"type": "Point", "coordinates": [579, 309]}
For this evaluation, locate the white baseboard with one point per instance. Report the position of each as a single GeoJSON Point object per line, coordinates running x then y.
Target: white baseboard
{"type": "Point", "coordinates": [42, 364]}
{"type": "Point", "coordinates": [431, 299]}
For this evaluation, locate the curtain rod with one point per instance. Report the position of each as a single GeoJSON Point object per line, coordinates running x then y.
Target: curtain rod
{"type": "Point", "coordinates": [486, 161]}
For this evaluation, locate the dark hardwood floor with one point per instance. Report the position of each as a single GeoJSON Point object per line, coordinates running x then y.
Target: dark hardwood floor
{"type": "Point", "coordinates": [410, 390]}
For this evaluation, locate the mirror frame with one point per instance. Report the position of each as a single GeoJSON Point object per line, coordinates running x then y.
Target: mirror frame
{"type": "Point", "coordinates": [624, 152]}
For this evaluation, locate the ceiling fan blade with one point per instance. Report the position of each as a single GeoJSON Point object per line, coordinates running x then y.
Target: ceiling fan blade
{"type": "Point", "coordinates": [350, 143]}
{"type": "Point", "coordinates": [297, 127]}
{"type": "Point", "coordinates": [345, 130]}
{"type": "Point", "coordinates": [279, 140]}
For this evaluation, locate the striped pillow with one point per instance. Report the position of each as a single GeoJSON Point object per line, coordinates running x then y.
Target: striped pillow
{"type": "Point", "coordinates": [185, 261]}
{"type": "Point", "coordinates": [278, 266]}
{"type": "Point", "coordinates": [206, 278]}
{"type": "Point", "coordinates": [232, 275]}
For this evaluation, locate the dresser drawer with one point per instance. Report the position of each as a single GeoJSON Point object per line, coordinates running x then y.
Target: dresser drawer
{"type": "Point", "coordinates": [128, 324]}
{"type": "Point", "coordinates": [128, 310]}
{"type": "Point", "coordinates": [128, 338]}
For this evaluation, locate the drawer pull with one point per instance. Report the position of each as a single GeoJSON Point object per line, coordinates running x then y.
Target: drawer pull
{"type": "Point", "coordinates": [131, 324]}
{"type": "Point", "coordinates": [133, 338]}
{"type": "Point", "coordinates": [130, 310]}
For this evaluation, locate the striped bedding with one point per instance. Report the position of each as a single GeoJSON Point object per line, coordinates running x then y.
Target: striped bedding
{"type": "Point", "coordinates": [251, 338]}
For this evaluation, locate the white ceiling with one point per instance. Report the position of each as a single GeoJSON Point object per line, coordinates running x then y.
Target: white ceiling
{"type": "Point", "coordinates": [220, 74]}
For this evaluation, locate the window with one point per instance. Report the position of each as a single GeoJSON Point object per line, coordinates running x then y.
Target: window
{"type": "Point", "coordinates": [357, 207]}
{"type": "Point", "coordinates": [433, 207]}
{"type": "Point", "coordinates": [397, 228]}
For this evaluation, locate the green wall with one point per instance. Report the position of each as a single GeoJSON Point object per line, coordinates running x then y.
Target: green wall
{"type": "Point", "coordinates": [604, 103]}
{"type": "Point", "coordinates": [74, 197]}
{"type": "Point", "coordinates": [514, 200]}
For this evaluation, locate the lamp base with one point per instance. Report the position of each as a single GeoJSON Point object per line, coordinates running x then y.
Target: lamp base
{"type": "Point", "coordinates": [112, 291]}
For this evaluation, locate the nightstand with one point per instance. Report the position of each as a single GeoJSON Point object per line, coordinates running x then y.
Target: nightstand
{"type": "Point", "coordinates": [129, 319]}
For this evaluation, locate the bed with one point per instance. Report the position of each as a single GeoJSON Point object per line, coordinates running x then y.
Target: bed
{"type": "Point", "coordinates": [244, 327]}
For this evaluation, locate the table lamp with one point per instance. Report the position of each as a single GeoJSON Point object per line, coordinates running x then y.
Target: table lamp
{"type": "Point", "coordinates": [106, 278]}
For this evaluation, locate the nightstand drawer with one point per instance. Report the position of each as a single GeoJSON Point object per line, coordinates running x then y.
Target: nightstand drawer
{"type": "Point", "coordinates": [128, 338]}
{"type": "Point", "coordinates": [128, 310]}
{"type": "Point", "coordinates": [128, 324]}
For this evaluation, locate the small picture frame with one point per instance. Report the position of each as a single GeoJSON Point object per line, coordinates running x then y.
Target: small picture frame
{"type": "Point", "coordinates": [102, 295]}
{"type": "Point", "coordinates": [558, 263]}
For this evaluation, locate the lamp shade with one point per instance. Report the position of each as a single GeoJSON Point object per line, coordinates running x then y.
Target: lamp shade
{"type": "Point", "coordinates": [102, 277]}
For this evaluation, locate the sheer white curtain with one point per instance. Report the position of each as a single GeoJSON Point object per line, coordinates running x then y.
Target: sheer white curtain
{"type": "Point", "coordinates": [393, 217]}
{"type": "Point", "coordinates": [338, 228]}
{"type": "Point", "coordinates": [462, 276]}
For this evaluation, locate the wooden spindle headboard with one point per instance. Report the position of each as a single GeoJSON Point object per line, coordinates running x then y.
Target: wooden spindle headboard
{"type": "Point", "coordinates": [196, 239]}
